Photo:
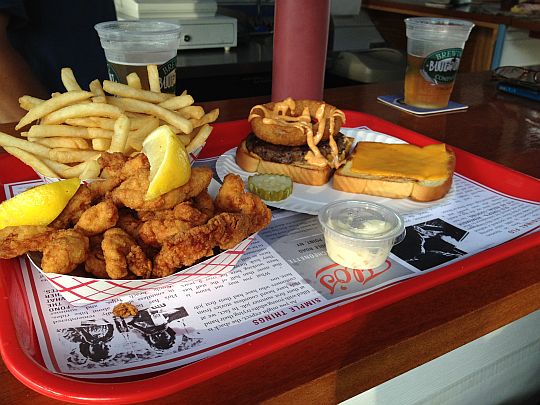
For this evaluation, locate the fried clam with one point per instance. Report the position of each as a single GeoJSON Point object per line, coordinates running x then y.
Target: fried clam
{"type": "Point", "coordinates": [66, 249]}
{"type": "Point", "coordinates": [132, 191]}
{"type": "Point", "coordinates": [293, 122]}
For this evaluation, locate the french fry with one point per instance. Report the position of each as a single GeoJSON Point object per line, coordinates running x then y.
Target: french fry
{"type": "Point", "coordinates": [51, 105]}
{"type": "Point", "coordinates": [170, 117]}
{"type": "Point", "coordinates": [91, 170]}
{"type": "Point", "coordinates": [82, 110]}
{"type": "Point", "coordinates": [101, 144]}
{"type": "Point", "coordinates": [27, 146]}
{"type": "Point", "coordinates": [120, 135]}
{"type": "Point", "coordinates": [29, 102]}
{"type": "Point", "coordinates": [95, 87]}
{"type": "Point", "coordinates": [175, 103]}
{"type": "Point", "coordinates": [133, 80]}
{"type": "Point", "coordinates": [206, 119]}
{"type": "Point", "coordinates": [56, 167]}
{"type": "Point", "coordinates": [62, 142]}
{"type": "Point", "coordinates": [185, 139]}
{"type": "Point", "coordinates": [99, 99]}
{"type": "Point", "coordinates": [73, 171]}
{"type": "Point", "coordinates": [191, 111]}
{"type": "Point", "coordinates": [153, 78]}
{"type": "Point", "coordinates": [199, 139]}
{"type": "Point", "coordinates": [72, 155]}
{"type": "Point", "coordinates": [92, 122]}
{"type": "Point", "coordinates": [100, 133]}
{"type": "Point", "coordinates": [122, 90]}
{"type": "Point", "coordinates": [108, 123]}
{"type": "Point", "coordinates": [136, 137]}
{"type": "Point", "coordinates": [75, 127]}
{"type": "Point", "coordinates": [48, 131]}
{"type": "Point", "coordinates": [68, 80]}
{"type": "Point", "coordinates": [31, 160]}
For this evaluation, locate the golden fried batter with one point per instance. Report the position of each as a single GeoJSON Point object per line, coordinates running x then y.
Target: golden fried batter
{"type": "Point", "coordinates": [17, 240]}
{"type": "Point", "coordinates": [98, 218]}
{"type": "Point", "coordinates": [122, 253]}
{"type": "Point", "coordinates": [132, 191]}
{"type": "Point", "coordinates": [125, 310]}
{"type": "Point", "coordinates": [64, 252]}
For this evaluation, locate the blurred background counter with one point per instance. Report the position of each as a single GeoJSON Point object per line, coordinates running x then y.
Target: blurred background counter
{"type": "Point", "coordinates": [226, 46]}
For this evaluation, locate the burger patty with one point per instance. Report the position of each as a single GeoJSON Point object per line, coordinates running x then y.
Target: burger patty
{"type": "Point", "coordinates": [294, 154]}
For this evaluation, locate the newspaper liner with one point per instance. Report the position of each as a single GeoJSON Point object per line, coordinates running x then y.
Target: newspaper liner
{"type": "Point", "coordinates": [81, 291]}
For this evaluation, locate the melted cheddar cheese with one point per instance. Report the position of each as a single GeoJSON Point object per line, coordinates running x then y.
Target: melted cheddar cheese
{"type": "Point", "coordinates": [426, 163]}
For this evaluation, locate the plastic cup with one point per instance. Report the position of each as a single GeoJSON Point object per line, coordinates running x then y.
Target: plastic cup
{"type": "Point", "coordinates": [132, 45]}
{"type": "Point", "coordinates": [434, 49]}
{"type": "Point", "coordinates": [360, 234]}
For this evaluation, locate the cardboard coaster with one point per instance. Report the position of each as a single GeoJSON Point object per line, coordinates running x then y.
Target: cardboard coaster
{"type": "Point", "coordinates": [397, 102]}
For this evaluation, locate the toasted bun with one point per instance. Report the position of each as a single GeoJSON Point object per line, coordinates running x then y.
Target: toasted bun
{"type": "Point", "coordinates": [393, 187]}
{"type": "Point", "coordinates": [310, 175]}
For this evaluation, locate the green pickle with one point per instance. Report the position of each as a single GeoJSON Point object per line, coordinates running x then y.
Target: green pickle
{"type": "Point", "coordinates": [270, 187]}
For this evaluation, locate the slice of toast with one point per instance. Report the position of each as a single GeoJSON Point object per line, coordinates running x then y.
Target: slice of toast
{"type": "Point", "coordinates": [397, 171]}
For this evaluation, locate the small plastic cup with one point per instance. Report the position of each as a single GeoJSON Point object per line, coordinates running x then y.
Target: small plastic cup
{"type": "Point", "coordinates": [434, 49]}
{"type": "Point", "coordinates": [132, 45]}
{"type": "Point", "coordinates": [360, 234]}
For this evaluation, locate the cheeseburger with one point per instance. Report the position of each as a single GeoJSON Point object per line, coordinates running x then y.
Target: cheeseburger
{"type": "Point", "coordinates": [297, 138]}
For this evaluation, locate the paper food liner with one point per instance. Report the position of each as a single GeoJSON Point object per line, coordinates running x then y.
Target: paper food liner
{"type": "Point", "coordinates": [81, 291]}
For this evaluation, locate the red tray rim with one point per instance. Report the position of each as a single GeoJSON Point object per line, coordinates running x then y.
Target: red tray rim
{"type": "Point", "coordinates": [38, 378]}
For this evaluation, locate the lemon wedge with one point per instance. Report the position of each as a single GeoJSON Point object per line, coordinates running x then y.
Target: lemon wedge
{"type": "Point", "coordinates": [38, 205]}
{"type": "Point", "coordinates": [169, 162]}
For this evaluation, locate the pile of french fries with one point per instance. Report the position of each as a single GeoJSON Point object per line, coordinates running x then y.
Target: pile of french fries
{"type": "Point", "coordinates": [71, 129]}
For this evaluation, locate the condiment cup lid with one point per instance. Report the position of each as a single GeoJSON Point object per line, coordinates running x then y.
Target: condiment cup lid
{"type": "Point", "coordinates": [357, 220]}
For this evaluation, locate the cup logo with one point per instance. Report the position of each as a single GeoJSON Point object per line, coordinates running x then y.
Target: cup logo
{"type": "Point", "coordinates": [441, 67]}
{"type": "Point", "coordinates": [167, 76]}
{"type": "Point", "coordinates": [113, 76]}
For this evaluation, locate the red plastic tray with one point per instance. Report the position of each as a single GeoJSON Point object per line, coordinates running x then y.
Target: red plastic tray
{"type": "Point", "coordinates": [18, 342]}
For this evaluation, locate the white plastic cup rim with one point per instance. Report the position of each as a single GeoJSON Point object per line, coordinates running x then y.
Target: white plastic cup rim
{"type": "Point", "coordinates": [432, 27]}
{"type": "Point", "coordinates": [138, 31]}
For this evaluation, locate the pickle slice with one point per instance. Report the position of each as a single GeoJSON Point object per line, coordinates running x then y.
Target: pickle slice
{"type": "Point", "coordinates": [270, 187]}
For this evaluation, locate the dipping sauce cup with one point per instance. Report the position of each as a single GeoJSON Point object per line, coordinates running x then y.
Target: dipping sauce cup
{"type": "Point", "coordinates": [434, 48]}
{"type": "Point", "coordinates": [132, 45]}
{"type": "Point", "coordinates": [360, 234]}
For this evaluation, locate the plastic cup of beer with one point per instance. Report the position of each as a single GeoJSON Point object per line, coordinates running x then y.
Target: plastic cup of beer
{"type": "Point", "coordinates": [434, 49]}
{"type": "Point", "coordinates": [132, 45]}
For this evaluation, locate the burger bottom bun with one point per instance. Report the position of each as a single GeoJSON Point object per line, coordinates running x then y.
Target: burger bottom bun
{"type": "Point", "coordinates": [310, 175]}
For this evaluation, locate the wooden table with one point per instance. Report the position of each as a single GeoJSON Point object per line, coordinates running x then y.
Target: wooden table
{"type": "Point", "coordinates": [345, 361]}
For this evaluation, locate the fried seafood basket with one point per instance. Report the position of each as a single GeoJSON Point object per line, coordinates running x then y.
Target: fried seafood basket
{"type": "Point", "coordinates": [260, 357]}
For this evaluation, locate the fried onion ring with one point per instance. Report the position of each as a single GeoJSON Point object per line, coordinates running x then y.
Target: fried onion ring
{"type": "Point", "coordinates": [285, 122]}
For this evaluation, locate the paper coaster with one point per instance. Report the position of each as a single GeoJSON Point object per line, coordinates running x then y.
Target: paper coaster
{"type": "Point", "coordinates": [397, 102]}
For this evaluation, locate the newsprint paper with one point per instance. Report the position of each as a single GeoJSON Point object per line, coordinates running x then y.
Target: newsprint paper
{"type": "Point", "coordinates": [284, 277]}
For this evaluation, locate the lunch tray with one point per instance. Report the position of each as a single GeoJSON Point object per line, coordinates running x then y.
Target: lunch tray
{"type": "Point", "coordinates": [18, 342]}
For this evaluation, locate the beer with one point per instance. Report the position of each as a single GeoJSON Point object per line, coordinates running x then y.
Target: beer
{"type": "Point", "coordinates": [167, 74]}
{"type": "Point", "coordinates": [422, 91]}
{"type": "Point", "coordinates": [434, 49]}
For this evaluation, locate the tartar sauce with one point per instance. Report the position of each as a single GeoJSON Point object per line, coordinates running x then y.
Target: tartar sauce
{"type": "Point", "coordinates": [359, 234]}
